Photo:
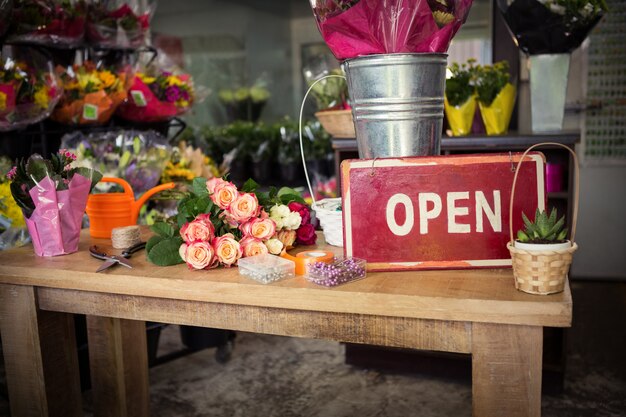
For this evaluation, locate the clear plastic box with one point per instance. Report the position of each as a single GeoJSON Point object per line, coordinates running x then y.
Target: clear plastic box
{"type": "Point", "coordinates": [336, 273]}
{"type": "Point", "coordinates": [266, 268]}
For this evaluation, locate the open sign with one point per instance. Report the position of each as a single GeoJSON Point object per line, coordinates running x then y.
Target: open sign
{"type": "Point", "coordinates": [436, 212]}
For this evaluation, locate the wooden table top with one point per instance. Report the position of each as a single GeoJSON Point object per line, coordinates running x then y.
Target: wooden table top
{"type": "Point", "coordinates": [481, 295]}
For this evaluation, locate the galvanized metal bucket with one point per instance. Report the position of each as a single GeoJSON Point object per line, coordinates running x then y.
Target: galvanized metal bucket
{"type": "Point", "coordinates": [397, 103]}
{"type": "Point", "coordinates": [548, 87]}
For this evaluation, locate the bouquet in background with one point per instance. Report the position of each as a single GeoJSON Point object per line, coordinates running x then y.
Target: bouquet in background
{"type": "Point", "coordinates": [157, 95]}
{"type": "Point", "coordinates": [353, 28]}
{"type": "Point", "coordinates": [137, 157]}
{"type": "Point", "coordinates": [460, 97]}
{"type": "Point", "coordinates": [29, 90]}
{"type": "Point", "coordinates": [496, 96]}
{"type": "Point", "coordinates": [91, 93]}
{"type": "Point", "coordinates": [217, 224]}
{"type": "Point", "coordinates": [187, 163]}
{"type": "Point", "coordinates": [114, 23]}
{"type": "Point", "coordinates": [551, 26]}
{"type": "Point", "coordinates": [13, 231]}
{"type": "Point", "coordinates": [50, 22]}
{"type": "Point", "coordinates": [53, 196]}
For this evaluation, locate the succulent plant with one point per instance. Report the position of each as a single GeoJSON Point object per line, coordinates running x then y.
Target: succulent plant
{"type": "Point", "coordinates": [544, 229]}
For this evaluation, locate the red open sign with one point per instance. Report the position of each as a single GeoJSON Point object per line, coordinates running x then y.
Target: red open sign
{"type": "Point", "coordinates": [436, 212]}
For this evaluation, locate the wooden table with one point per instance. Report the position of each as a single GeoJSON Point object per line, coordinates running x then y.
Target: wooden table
{"type": "Point", "coordinates": [471, 311]}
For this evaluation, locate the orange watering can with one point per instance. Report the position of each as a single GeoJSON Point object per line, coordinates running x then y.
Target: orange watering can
{"type": "Point", "coordinates": [110, 210]}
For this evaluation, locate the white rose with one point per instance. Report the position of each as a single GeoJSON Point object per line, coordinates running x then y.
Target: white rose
{"type": "Point", "coordinates": [292, 221]}
{"type": "Point", "coordinates": [182, 250]}
{"type": "Point", "coordinates": [279, 211]}
{"type": "Point", "coordinates": [274, 246]}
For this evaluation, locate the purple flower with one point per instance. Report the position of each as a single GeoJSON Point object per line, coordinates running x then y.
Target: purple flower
{"type": "Point", "coordinates": [172, 93]}
{"type": "Point", "coordinates": [185, 95]}
{"type": "Point", "coordinates": [12, 173]}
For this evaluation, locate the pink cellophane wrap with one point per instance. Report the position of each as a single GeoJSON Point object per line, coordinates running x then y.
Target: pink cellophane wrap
{"type": "Point", "coordinates": [55, 224]}
{"type": "Point", "coordinates": [154, 110]}
{"type": "Point", "coordinates": [386, 27]}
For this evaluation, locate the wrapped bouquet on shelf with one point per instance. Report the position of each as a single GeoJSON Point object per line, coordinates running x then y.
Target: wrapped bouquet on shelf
{"type": "Point", "coordinates": [29, 88]}
{"type": "Point", "coordinates": [91, 93]}
{"type": "Point", "coordinates": [118, 24]}
{"type": "Point", "coordinates": [157, 95]}
{"type": "Point", "coordinates": [49, 22]}
{"type": "Point", "coordinates": [137, 157]}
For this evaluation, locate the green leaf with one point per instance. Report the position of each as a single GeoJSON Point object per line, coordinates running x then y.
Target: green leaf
{"type": "Point", "coordinates": [163, 229]}
{"type": "Point", "coordinates": [152, 242]}
{"type": "Point", "coordinates": [165, 252]}
{"type": "Point", "coordinates": [562, 235]}
{"type": "Point", "coordinates": [522, 237]}
{"type": "Point", "coordinates": [250, 186]}
{"type": "Point", "coordinates": [198, 187]}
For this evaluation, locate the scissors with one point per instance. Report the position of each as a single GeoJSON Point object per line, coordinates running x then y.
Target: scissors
{"type": "Point", "coordinates": [111, 260]}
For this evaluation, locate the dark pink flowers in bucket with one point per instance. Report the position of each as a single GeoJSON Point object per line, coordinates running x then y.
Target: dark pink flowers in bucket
{"type": "Point", "coordinates": [354, 28]}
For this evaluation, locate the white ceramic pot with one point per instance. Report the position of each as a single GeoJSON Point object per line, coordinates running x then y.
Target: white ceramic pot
{"type": "Point", "coordinates": [540, 247]}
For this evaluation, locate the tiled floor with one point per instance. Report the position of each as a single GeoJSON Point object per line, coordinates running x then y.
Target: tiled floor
{"type": "Point", "coordinates": [278, 376]}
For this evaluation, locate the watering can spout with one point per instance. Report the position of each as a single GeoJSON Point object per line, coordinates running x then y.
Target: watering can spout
{"type": "Point", "coordinates": [152, 191]}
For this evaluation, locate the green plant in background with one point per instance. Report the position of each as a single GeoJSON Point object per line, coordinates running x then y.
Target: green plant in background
{"type": "Point", "coordinates": [460, 86]}
{"type": "Point", "coordinates": [490, 80]}
{"type": "Point", "coordinates": [331, 93]}
{"type": "Point", "coordinates": [544, 229]}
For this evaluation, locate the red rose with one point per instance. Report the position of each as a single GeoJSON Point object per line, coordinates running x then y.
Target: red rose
{"type": "Point", "coordinates": [302, 210]}
{"type": "Point", "coordinates": [121, 12]}
{"type": "Point", "coordinates": [305, 235]}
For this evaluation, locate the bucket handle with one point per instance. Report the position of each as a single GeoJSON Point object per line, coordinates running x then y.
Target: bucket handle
{"type": "Point", "coordinates": [576, 187]}
{"type": "Point", "coordinates": [126, 186]}
{"type": "Point", "coordinates": [306, 173]}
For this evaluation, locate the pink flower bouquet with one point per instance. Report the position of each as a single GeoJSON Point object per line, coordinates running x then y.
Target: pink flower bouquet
{"type": "Point", "coordinates": [217, 224]}
{"type": "Point", "coordinates": [121, 24]}
{"type": "Point", "coordinates": [50, 22]}
{"type": "Point", "coordinates": [354, 28]}
{"type": "Point", "coordinates": [52, 196]}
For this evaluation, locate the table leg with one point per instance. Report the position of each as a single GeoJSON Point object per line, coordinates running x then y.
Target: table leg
{"type": "Point", "coordinates": [119, 366]}
{"type": "Point", "coordinates": [40, 356]}
{"type": "Point", "coordinates": [506, 370]}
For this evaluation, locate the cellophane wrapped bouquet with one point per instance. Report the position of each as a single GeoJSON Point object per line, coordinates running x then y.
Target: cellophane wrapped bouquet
{"type": "Point", "coordinates": [139, 157]}
{"type": "Point", "coordinates": [49, 22]}
{"type": "Point", "coordinates": [157, 95]}
{"type": "Point", "coordinates": [353, 28]}
{"type": "Point", "coordinates": [551, 26]}
{"type": "Point", "coordinates": [29, 89]}
{"type": "Point", "coordinates": [13, 231]}
{"type": "Point", "coordinates": [119, 23]}
{"type": "Point", "coordinates": [53, 196]}
{"type": "Point", "coordinates": [217, 224]}
{"type": "Point", "coordinates": [91, 93]}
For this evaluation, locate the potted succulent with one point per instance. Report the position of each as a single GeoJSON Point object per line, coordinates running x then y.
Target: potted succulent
{"type": "Point", "coordinates": [496, 96]}
{"type": "Point", "coordinates": [541, 254]}
{"type": "Point", "coordinates": [460, 97]}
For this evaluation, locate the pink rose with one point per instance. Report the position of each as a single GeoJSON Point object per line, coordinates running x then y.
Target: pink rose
{"type": "Point", "coordinates": [252, 246]}
{"type": "Point", "coordinates": [259, 228]}
{"type": "Point", "coordinates": [199, 255]}
{"type": "Point", "coordinates": [287, 237]}
{"type": "Point", "coordinates": [200, 229]}
{"type": "Point", "coordinates": [302, 210]}
{"type": "Point", "coordinates": [306, 234]}
{"type": "Point", "coordinates": [244, 207]}
{"type": "Point", "coordinates": [222, 192]}
{"type": "Point", "coordinates": [227, 249]}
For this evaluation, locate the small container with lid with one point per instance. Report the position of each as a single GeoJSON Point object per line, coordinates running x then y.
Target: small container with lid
{"type": "Point", "coordinates": [336, 273]}
{"type": "Point", "coordinates": [266, 268]}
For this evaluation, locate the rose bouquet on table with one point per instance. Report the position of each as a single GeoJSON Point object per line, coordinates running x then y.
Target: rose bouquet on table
{"type": "Point", "coordinates": [353, 28]}
{"type": "Point", "coordinates": [56, 22]}
{"type": "Point", "coordinates": [53, 196]}
{"type": "Point", "coordinates": [157, 95]}
{"type": "Point", "coordinates": [29, 90]}
{"type": "Point", "coordinates": [217, 224]}
{"type": "Point", "coordinates": [114, 23]}
{"type": "Point", "coordinates": [137, 157]}
{"type": "Point", "coordinates": [91, 93]}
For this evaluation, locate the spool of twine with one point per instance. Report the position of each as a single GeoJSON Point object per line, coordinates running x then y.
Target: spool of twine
{"type": "Point", "coordinates": [125, 237]}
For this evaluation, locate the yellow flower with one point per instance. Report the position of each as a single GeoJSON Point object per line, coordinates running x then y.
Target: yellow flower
{"type": "Point", "coordinates": [41, 97]}
{"type": "Point", "coordinates": [107, 78]}
{"type": "Point", "coordinates": [11, 211]}
{"type": "Point", "coordinates": [3, 101]}
{"type": "Point", "coordinates": [146, 79]}
{"type": "Point", "coordinates": [90, 80]}
{"type": "Point", "coordinates": [72, 85]}
{"type": "Point", "coordinates": [174, 80]}
{"type": "Point", "coordinates": [183, 103]}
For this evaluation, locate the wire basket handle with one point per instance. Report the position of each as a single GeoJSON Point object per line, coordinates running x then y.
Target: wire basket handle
{"type": "Point", "coordinates": [576, 187]}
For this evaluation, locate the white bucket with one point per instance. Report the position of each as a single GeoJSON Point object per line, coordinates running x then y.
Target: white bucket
{"type": "Point", "coordinates": [328, 212]}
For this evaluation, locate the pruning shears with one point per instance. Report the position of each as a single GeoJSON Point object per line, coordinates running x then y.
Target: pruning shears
{"type": "Point", "coordinates": [112, 260]}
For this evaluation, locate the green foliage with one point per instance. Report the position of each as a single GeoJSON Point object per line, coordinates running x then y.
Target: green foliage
{"type": "Point", "coordinates": [332, 92]}
{"type": "Point", "coordinates": [164, 251]}
{"type": "Point", "coordinates": [490, 80]}
{"type": "Point", "coordinates": [544, 229]}
{"type": "Point", "coordinates": [460, 87]}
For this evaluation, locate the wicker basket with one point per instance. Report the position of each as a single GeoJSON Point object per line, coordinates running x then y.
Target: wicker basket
{"type": "Point", "coordinates": [337, 122]}
{"type": "Point", "coordinates": [331, 220]}
{"type": "Point", "coordinates": [542, 272]}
